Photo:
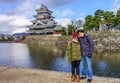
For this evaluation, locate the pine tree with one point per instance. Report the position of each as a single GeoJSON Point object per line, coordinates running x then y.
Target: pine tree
{"type": "Point", "coordinates": [118, 18]}
{"type": "Point", "coordinates": [63, 31]}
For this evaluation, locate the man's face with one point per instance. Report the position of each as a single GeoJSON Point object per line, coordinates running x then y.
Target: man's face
{"type": "Point", "coordinates": [80, 34]}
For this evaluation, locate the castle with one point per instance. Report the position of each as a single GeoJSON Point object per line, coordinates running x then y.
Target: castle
{"type": "Point", "coordinates": [44, 23]}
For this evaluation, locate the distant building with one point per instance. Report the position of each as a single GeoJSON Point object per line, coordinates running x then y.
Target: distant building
{"type": "Point", "coordinates": [57, 31]}
{"type": "Point", "coordinates": [44, 22]}
{"type": "Point", "coordinates": [1, 37]}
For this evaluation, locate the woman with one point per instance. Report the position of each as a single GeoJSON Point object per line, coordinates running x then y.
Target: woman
{"type": "Point", "coordinates": [74, 56]}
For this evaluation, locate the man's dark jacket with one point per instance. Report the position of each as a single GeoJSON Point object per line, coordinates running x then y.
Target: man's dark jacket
{"type": "Point", "coordinates": [87, 45]}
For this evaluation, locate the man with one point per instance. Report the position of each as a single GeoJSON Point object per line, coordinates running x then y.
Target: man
{"type": "Point", "coordinates": [87, 46]}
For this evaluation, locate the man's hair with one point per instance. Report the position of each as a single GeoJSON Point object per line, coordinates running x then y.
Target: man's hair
{"type": "Point", "coordinates": [80, 30]}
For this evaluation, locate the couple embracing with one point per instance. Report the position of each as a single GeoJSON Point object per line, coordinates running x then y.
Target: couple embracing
{"type": "Point", "coordinates": [79, 51]}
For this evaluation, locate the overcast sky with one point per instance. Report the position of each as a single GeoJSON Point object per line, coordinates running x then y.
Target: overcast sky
{"type": "Point", "coordinates": [16, 14]}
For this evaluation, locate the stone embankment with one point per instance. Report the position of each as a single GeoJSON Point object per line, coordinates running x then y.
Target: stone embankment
{"type": "Point", "coordinates": [24, 75]}
{"type": "Point", "coordinates": [106, 40]}
{"type": "Point", "coordinates": [103, 40]}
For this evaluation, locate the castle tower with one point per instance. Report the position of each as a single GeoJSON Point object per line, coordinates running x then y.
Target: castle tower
{"type": "Point", "coordinates": [44, 22]}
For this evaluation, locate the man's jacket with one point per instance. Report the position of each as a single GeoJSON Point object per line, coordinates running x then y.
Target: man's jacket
{"type": "Point", "coordinates": [87, 45]}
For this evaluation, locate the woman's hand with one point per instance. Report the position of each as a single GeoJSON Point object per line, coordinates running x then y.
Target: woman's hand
{"type": "Point", "coordinates": [69, 42]}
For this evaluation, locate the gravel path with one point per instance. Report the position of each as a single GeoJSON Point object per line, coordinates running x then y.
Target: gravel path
{"type": "Point", "coordinates": [24, 75]}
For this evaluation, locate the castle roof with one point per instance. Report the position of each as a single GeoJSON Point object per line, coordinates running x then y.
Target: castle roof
{"type": "Point", "coordinates": [43, 8]}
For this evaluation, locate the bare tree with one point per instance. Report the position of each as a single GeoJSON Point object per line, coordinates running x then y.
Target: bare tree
{"type": "Point", "coordinates": [77, 24]}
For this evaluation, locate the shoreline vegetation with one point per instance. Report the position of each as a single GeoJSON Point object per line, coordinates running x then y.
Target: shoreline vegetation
{"type": "Point", "coordinates": [103, 40]}
{"type": "Point", "coordinates": [23, 75]}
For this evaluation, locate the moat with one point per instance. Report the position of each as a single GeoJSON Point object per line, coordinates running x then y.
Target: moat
{"type": "Point", "coordinates": [105, 64]}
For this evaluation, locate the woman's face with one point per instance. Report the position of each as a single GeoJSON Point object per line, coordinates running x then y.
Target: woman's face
{"type": "Point", "coordinates": [75, 39]}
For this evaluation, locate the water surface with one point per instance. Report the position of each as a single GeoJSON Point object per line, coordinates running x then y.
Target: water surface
{"type": "Point", "coordinates": [52, 58]}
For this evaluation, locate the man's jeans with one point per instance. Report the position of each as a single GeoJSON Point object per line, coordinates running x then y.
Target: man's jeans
{"type": "Point", "coordinates": [86, 67]}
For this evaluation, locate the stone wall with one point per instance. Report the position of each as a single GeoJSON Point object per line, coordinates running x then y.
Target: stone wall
{"type": "Point", "coordinates": [43, 40]}
{"type": "Point", "coordinates": [104, 40]}
{"type": "Point", "coordinates": [47, 40]}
